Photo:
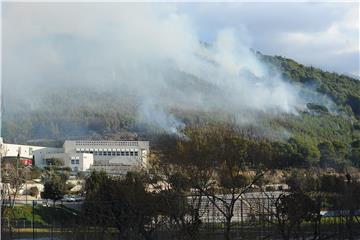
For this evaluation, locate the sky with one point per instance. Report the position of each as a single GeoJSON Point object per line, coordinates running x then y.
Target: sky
{"type": "Point", "coordinates": [320, 34]}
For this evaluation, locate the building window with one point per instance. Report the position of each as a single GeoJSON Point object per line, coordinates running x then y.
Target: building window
{"type": "Point", "coordinates": [77, 161]}
{"type": "Point", "coordinates": [72, 161]}
{"type": "Point", "coordinates": [122, 153]}
{"type": "Point", "coordinates": [136, 153]}
{"type": "Point", "coordinates": [131, 153]}
{"type": "Point", "coordinates": [127, 153]}
{"type": "Point", "coordinates": [114, 153]}
{"type": "Point", "coordinates": [118, 153]}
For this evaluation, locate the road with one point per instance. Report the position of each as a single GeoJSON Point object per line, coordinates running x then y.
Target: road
{"type": "Point", "coordinates": [73, 205]}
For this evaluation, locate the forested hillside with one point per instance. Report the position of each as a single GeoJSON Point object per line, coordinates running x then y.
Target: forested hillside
{"type": "Point", "coordinates": [328, 135]}
{"type": "Point", "coordinates": [331, 137]}
{"type": "Point", "coordinates": [343, 90]}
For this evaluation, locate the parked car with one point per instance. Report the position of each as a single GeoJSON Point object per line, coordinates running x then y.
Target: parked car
{"type": "Point", "coordinates": [69, 198]}
{"type": "Point", "coordinates": [79, 198]}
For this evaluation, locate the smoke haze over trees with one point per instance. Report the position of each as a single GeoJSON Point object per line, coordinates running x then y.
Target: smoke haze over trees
{"type": "Point", "coordinates": [98, 70]}
{"type": "Point", "coordinates": [150, 54]}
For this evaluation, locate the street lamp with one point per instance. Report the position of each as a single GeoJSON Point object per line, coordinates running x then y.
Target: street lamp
{"type": "Point", "coordinates": [33, 218]}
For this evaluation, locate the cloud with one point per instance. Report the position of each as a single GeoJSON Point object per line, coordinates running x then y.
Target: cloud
{"type": "Point", "coordinates": [315, 34]}
{"type": "Point", "coordinates": [338, 40]}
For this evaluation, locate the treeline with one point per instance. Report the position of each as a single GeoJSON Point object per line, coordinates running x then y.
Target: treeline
{"type": "Point", "coordinates": [215, 167]}
{"type": "Point", "coordinates": [300, 141]}
{"type": "Point", "coordinates": [212, 167]}
{"type": "Point", "coordinates": [298, 150]}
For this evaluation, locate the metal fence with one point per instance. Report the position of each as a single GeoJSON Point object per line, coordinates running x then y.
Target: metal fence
{"type": "Point", "coordinates": [254, 218]}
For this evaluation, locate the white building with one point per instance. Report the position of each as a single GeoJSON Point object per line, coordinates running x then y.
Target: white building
{"type": "Point", "coordinates": [115, 157]}
{"type": "Point", "coordinates": [77, 161]}
{"type": "Point", "coordinates": [34, 153]}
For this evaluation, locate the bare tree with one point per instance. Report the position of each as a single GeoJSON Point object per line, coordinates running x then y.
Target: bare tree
{"type": "Point", "coordinates": [222, 164]}
{"type": "Point", "coordinates": [13, 179]}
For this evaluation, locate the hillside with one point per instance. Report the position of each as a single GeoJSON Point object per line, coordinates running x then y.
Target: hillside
{"type": "Point", "coordinates": [62, 115]}
{"type": "Point", "coordinates": [343, 90]}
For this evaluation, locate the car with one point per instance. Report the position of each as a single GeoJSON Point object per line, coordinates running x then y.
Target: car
{"type": "Point", "coordinates": [79, 198]}
{"type": "Point", "coordinates": [69, 198]}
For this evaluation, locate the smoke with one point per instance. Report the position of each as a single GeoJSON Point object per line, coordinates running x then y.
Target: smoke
{"type": "Point", "coordinates": [150, 53]}
{"type": "Point", "coordinates": [156, 116]}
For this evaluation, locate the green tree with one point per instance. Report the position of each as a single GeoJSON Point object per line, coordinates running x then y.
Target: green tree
{"type": "Point", "coordinates": [34, 191]}
{"type": "Point", "coordinates": [54, 189]}
{"type": "Point", "coordinates": [328, 156]}
{"type": "Point", "coordinates": [355, 153]}
{"type": "Point", "coordinates": [97, 205]}
{"type": "Point", "coordinates": [284, 155]}
{"type": "Point", "coordinates": [54, 162]}
{"type": "Point", "coordinates": [181, 206]}
{"type": "Point", "coordinates": [291, 210]}
{"type": "Point", "coordinates": [306, 152]}
{"type": "Point", "coordinates": [121, 203]}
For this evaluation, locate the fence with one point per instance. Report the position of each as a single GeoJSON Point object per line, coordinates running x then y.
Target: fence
{"type": "Point", "coordinates": [254, 217]}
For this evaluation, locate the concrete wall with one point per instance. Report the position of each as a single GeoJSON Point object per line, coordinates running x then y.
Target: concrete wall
{"type": "Point", "coordinates": [75, 161]}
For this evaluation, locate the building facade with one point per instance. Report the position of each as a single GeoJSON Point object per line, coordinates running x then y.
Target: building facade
{"type": "Point", "coordinates": [114, 157]}
{"type": "Point", "coordinates": [35, 154]}
{"type": "Point", "coordinates": [77, 162]}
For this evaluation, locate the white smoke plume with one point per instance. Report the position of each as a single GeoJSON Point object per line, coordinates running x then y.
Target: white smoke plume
{"type": "Point", "coordinates": [150, 52]}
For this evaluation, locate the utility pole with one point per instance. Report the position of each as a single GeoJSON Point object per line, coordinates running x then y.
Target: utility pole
{"type": "Point", "coordinates": [26, 193]}
{"type": "Point", "coordinates": [17, 173]}
{"type": "Point", "coordinates": [1, 155]}
{"type": "Point", "coordinates": [17, 161]}
{"type": "Point", "coordinates": [33, 219]}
